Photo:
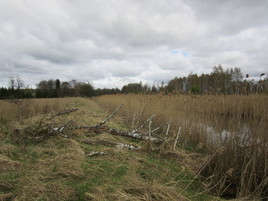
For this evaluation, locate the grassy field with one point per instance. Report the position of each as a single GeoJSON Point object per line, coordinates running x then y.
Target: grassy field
{"type": "Point", "coordinates": [60, 168]}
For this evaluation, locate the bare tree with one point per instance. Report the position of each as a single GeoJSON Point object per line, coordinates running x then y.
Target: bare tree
{"type": "Point", "coordinates": [12, 83]}
{"type": "Point", "coordinates": [19, 83]}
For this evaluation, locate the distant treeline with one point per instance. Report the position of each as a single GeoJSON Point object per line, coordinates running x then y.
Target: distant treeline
{"type": "Point", "coordinates": [53, 89]}
{"type": "Point", "coordinates": [219, 81]}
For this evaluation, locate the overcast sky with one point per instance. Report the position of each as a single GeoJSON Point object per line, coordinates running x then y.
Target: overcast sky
{"type": "Point", "coordinates": [114, 42]}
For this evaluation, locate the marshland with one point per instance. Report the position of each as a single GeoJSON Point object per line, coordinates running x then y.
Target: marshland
{"type": "Point", "coordinates": [221, 149]}
{"type": "Point", "coordinates": [230, 130]}
{"type": "Point", "coordinates": [128, 100]}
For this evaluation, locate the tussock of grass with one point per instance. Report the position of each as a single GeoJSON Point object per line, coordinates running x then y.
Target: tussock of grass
{"type": "Point", "coordinates": [8, 149]}
{"type": "Point", "coordinates": [68, 165]}
{"type": "Point", "coordinates": [7, 164]}
{"type": "Point", "coordinates": [151, 191]}
{"type": "Point", "coordinates": [37, 189]}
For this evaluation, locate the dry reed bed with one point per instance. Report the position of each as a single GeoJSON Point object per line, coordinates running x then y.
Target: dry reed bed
{"type": "Point", "coordinates": [17, 109]}
{"type": "Point", "coordinates": [233, 129]}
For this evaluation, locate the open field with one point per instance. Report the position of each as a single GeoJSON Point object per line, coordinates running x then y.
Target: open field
{"type": "Point", "coordinates": [63, 167]}
{"type": "Point", "coordinates": [231, 130]}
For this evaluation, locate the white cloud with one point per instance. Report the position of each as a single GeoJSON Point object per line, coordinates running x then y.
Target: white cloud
{"type": "Point", "coordinates": [116, 42]}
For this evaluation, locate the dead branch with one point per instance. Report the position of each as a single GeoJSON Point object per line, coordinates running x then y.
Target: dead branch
{"type": "Point", "coordinates": [95, 153]}
{"type": "Point", "coordinates": [141, 126]}
{"type": "Point", "coordinates": [95, 128]}
{"type": "Point", "coordinates": [177, 137]}
{"type": "Point", "coordinates": [127, 146]}
{"type": "Point", "coordinates": [103, 142]}
{"type": "Point", "coordinates": [41, 130]}
{"type": "Point", "coordinates": [150, 134]}
{"type": "Point", "coordinates": [167, 132]}
{"type": "Point", "coordinates": [135, 135]}
{"type": "Point", "coordinates": [62, 113]}
{"type": "Point", "coordinates": [107, 143]}
{"type": "Point", "coordinates": [134, 119]}
{"type": "Point", "coordinates": [46, 128]}
{"type": "Point", "coordinates": [157, 128]}
{"type": "Point", "coordinates": [107, 118]}
{"type": "Point", "coordinates": [150, 129]}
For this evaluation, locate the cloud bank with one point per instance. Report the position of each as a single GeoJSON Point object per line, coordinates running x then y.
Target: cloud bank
{"type": "Point", "coordinates": [115, 42]}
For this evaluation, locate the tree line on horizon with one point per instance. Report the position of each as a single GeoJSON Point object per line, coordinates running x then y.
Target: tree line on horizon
{"type": "Point", "coordinates": [219, 81]}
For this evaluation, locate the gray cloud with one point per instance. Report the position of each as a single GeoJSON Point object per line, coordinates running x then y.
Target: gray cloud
{"type": "Point", "coordinates": [230, 17]}
{"type": "Point", "coordinates": [115, 42]}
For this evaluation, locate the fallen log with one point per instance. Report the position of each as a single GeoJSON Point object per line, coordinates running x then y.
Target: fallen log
{"type": "Point", "coordinates": [116, 144]}
{"type": "Point", "coordinates": [132, 134]}
{"type": "Point", "coordinates": [138, 136]}
{"type": "Point", "coordinates": [44, 130]}
{"type": "Point", "coordinates": [95, 153]}
{"type": "Point", "coordinates": [95, 128]}
{"type": "Point", "coordinates": [103, 142]}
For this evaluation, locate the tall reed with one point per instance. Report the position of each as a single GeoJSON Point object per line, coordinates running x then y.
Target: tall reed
{"type": "Point", "coordinates": [231, 128]}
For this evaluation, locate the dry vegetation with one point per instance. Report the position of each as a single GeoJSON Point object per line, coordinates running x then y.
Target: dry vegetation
{"type": "Point", "coordinates": [230, 130]}
{"type": "Point", "coordinates": [59, 168]}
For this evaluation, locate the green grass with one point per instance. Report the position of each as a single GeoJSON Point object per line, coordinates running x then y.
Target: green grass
{"type": "Point", "coordinates": [111, 173]}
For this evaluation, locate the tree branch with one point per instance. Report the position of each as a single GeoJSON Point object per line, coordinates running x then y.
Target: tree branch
{"type": "Point", "coordinates": [136, 130]}
{"type": "Point", "coordinates": [107, 118]}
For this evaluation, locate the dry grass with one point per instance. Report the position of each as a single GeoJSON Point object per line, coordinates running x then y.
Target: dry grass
{"type": "Point", "coordinates": [11, 110]}
{"type": "Point", "coordinates": [151, 191]}
{"type": "Point", "coordinates": [43, 171]}
{"type": "Point", "coordinates": [59, 169]}
{"type": "Point", "coordinates": [236, 126]}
